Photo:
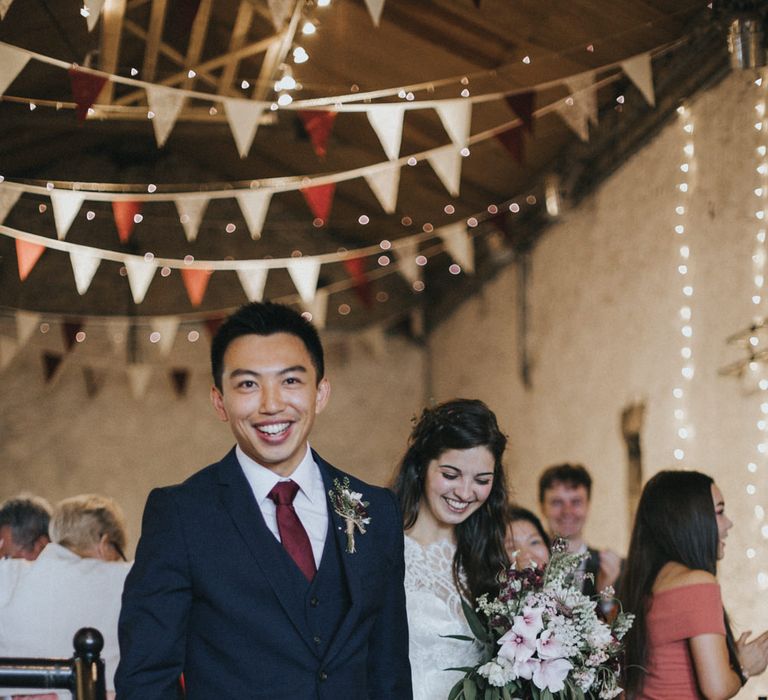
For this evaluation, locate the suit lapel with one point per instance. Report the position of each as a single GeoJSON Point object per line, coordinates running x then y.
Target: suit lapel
{"type": "Point", "coordinates": [237, 498]}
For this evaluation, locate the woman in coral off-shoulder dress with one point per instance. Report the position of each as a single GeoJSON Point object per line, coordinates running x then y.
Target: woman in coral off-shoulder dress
{"type": "Point", "coordinates": [681, 646]}
{"type": "Point", "coordinates": [452, 492]}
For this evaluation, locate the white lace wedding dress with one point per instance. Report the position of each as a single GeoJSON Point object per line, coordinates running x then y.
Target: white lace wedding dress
{"type": "Point", "coordinates": [434, 609]}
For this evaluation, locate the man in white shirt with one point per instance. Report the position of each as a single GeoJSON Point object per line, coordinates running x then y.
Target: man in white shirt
{"type": "Point", "coordinates": [24, 527]}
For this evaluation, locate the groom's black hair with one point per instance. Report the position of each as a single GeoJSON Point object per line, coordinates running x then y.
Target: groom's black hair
{"type": "Point", "coordinates": [265, 318]}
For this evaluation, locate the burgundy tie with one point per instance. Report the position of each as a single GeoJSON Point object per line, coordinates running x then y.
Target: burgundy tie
{"type": "Point", "coordinates": [292, 532]}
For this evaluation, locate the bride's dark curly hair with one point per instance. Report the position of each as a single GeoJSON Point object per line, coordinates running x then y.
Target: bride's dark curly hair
{"type": "Point", "coordinates": [461, 424]}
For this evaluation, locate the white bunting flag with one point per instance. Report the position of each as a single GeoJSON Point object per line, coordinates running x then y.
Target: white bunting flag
{"type": "Point", "coordinates": [279, 9]}
{"type": "Point", "coordinates": [8, 199]}
{"type": "Point", "coordinates": [254, 205]}
{"type": "Point", "coordinates": [406, 253]}
{"type": "Point", "coordinates": [456, 116]}
{"type": "Point", "coordinates": [373, 339]}
{"type": "Point", "coordinates": [166, 327]}
{"type": "Point", "coordinates": [165, 104]}
{"type": "Point", "coordinates": [639, 70]}
{"type": "Point", "coordinates": [94, 8]}
{"type": "Point", "coordinates": [12, 60]}
{"type": "Point", "coordinates": [8, 349]}
{"type": "Point", "coordinates": [584, 94]}
{"type": "Point", "coordinates": [243, 117]}
{"type": "Point", "coordinates": [458, 244]}
{"type": "Point", "coordinates": [253, 280]}
{"type": "Point", "coordinates": [304, 273]}
{"type": "Point", "coordinates": [117, 331]}
{"type": "Point", "coordinates": [140, 274]}
{"type": "Point", "coordinates": [374, 8]}
{"type": "Point", "coordinates": [191, 210]}
{"type": "Point", "coordinates": [5, 5]}
{"type": "Point", "coordinates": [387, 122]}
{"type": "Point", "coordinates": [318, 308]}
{"type": "Point", "coordinates": [138, 379]}
{"type": "Point", "coordinates": [26, 324]}
{"type": "Point", "coordinates": [66, 205]}
{"type": "Point", "coordinates": [446, 162]}
{"type": "Point", "coordinates": [574, 117]}
{"type": "Point", "coordinates": [84, 266]}
{"type": "Point", "coordinates": [384, 182]}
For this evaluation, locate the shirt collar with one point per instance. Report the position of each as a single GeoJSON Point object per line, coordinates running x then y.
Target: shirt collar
{"type": "Point", "coordinates": [262, 479]}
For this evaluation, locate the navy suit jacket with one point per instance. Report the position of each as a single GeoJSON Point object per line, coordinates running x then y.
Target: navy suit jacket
{"type": "Point", "coordinates": [207, 596]}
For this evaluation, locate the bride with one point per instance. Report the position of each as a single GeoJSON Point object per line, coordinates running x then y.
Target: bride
{"type": "Point", "coordinates": [452, 491]}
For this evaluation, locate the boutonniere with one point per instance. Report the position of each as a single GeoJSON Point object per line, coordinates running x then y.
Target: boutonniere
{"type": "Point", "coordinates": [350, 506]}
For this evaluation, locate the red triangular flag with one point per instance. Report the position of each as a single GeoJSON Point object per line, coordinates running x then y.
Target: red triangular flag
{"type": "Point", "coordinates": [320, 199]}
{"type": "Point", "coordinates": [85, 89]}
{"type": "Point", "coordinates": [51, 362]}
{"type": "Point", "coordinates": [319, 126]}
{"type": "Point", "coordinates": [27, 255]}
{"type": "Point", "coordinates": [179, 378]}
{"type": "Point", "coordinates": [94, 380]}
{"type": "Point", "coordinates": [196, 282]}
{"type": "Point", "coordinates": [124, 213]}
{"type": "Point", "coordinates": [70, 330]}
{"type": "Point", "coordinates": [522, 105]}
{"type": "Point", "coordinates": [355, 268]}
{"type": "Point", "coordinates": [512, 140]}
{"type": "Point", "coordinates": [213, 325]}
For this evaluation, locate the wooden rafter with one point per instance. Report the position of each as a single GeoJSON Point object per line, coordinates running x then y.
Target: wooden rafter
{"type": "Point", "coordinates": [197, 38]}
{"type": "Point", "coordinates": [276, 55]}
{"type": "Point", "coordinates": [236, 41]}
{"type": "Point", "coordinates": [154, 36]}
{"type": "Point", "coordinates": [112, 17]}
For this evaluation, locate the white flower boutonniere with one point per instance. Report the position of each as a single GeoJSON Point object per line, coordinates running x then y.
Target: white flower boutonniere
{"type": "Point", "coordinates": [350, 506]}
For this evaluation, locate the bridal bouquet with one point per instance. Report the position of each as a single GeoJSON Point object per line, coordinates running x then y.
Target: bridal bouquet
{"type": "Point", "coordinates": [542, 639]}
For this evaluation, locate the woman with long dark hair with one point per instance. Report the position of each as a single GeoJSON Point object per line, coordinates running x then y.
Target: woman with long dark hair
{"type": "Point", "coordinates": [452, 491]}
{"type": "Point", "coordinates": [527, 543]}
{"type": "Point", "coordinates": [681, 646]}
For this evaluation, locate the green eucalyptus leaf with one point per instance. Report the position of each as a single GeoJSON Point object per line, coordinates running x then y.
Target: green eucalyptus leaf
{"type": "Point", "coordinates": [475, 624]}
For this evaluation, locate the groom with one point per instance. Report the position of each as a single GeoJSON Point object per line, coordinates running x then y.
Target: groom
{"type": "Point", "coordinates": [252, 580]}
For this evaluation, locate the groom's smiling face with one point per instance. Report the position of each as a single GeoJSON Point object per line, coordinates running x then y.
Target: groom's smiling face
{"type": "Point", "coordinates": [270, 396]}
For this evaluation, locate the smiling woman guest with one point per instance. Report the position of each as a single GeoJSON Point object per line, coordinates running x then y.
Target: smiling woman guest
{"type": "Point", "coordinates": [452, 492]}
{"type": "Point", "coordinates": [526, 542]}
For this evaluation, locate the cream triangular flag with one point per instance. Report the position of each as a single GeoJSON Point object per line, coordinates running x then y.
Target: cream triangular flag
{"type": "Point", "coordinates": [456, 116]}
{"type": "Point", "coordinates": [639, 70]}
{"type": "Point", "coordinates": [8, 199]}
{"type": "Point", "coordinates": [12, 60]}
{"type": "Point", "coordinates": [279, 9]}
{"type": "Point", "coordinates": [26, 324]}
{"type": "Point", "coordinates": [117, 331]}
{"type": "Point", "coordinates": [584, 94]}
{"type": "Point", "coordinates": [406, 253]}
{"type": "Point", "coordinates": [374, 8]}
{"type": "Point", "coordinates": [140, 274]}
{"type": "Point", "coordinates": [8, 349]}
{"type": "Point", "coordinates": [84, 265]}
{"type": "Point", "coordinates": [253, 279]}
{"type": "Point", "coordinates": [574, 117]}
{"type": "Point", "coordinates": [384, 182]}
{"type": "Point", "coordinates": [254, 205]}
{"type": "Point", "coordinates": [5, 5]}
{"type": "Point", "coordinates": [138, 378]}
{"type": "Point", "coordinates": [66, 204]}
{"type": "Point", "coordinates": [318, 307]}
{"type": "Point", "coordinates": [165, 103]}
{"type": "Point", "coordinates": [191, 210]}
{"type": "Point", "coordinates": [304, 273]}
{"type": "Point", "coordinates": [94, 8]}
{"type": "Point", "coordinates": [166, 326]}
{"type": "Point", "coordinates": [446, 162]}
{"type": "Point", "coordinates": [458, 244]}
{"type": "Point", "coordinates": [373, 339]}
{"type": "Point", "coordinates": [387, 122]}
{"type": "Point", "coordinates": [243, 117]}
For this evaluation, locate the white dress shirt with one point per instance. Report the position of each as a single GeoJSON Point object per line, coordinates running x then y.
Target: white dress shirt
{"type": "Point", "coordinates": [311, 502]}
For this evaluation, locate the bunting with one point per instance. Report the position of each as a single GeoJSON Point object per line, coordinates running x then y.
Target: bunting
{"type": "Point", "coordinates": [85, 89]}
{"type": "Point", "coordinates": [179, 379]}
{"type": "Point", "coordinates": [304, 272]}
{"type": "Point", "coordinates": [373, 339]}
{"type": "Point", "coordinates": [406, 253]}
{"type": "Point", "coordinates": [12, 62]}
{"type": "Point", "coordinates": [69, 331]}
{"type": "Point", "coordinates": [355, 268]}
{"type": "Point", "coordinates": [117, 331]}
{"type": "Point", "coordinates": [51, 362]}
{"type": "Point", "coordinates": [374, 9]}
{"type": "Point", "coordinates": [384, 183]}
{"type": "Point", "coordinates": [84, 267]}
{"type": "Point", "coordinates": [253, 282]}
{"type": "Point", "coordinates": [446, 162]}
{"type": "Point", "coordinates": [512, 140]}
{"type": "Point", "coordinates": [191, 210]}
{"type": "Point", "coordinates": [584, 94]}
{"type": "Point", "coordinates": [94, 8]}
{"type": "Point", "coordinates": [140, 274]}
{"type": "Point", "coordinates": [165, 103]}
{"type": "Point", "coordinates": [8, 199]}
{"type": "Point", "coordinates": [320, 199]}
{"type": "Point", "coordinates": [387, 122]}
{"type": "Point", "coordinates": [318, 308]}
{"type": "Point", "coordinates": [138, 379]}
{"type": "Point", "coordinates": [574, 117]}
{"type": "Point", "coordinates": [522, 105]}
{"type": "Point", "coordinates": [212, 325]}
{"type": "Point", "coordinates": [254, 205]}
{"type": "Point", "coordinates": [279, 10]}
{"type": "Point", "coordinates": [27, 322]}
{"type": "Point", "coordinates": [8, 349]}
{"type": "Point", "coordinates": [125, 213]}
{"type": "Point", "coordinates": [640, 72]}
{"type": "Point", "coordinates": [458, 244]}
{"type": "Point", "coordinates": [5, 5]}
{"type": "Point", "coordinates": [196, 282]}
{"type": "Point", "coordinates": [166, 327]}
{"type": "Point", "coordinates": [27, 255]}
{"type": "Point", "coordinates": [94, 380]}
{"type": "Point", "coordinates": [243, 117]}
{"type": "Point", "coordinates": [456, 116]}
{"type": "Point", "coordinates": [66, 204]}
{"type": "Point", "coordinates": [318, 126]}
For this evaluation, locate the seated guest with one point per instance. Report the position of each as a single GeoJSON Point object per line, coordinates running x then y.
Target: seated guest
{"type": "Point", "coordinates": [77, 581]}
{"type": "Point", "coordinates": [564, 497]}
{"type": "Point", "coordinates": [680, 645]}
{"type": "Point", "coordinates": [526, 542]}
{"type": "Point", "coordinates": [24, 527]}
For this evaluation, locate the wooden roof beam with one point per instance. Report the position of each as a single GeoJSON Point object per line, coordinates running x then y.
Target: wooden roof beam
{"type": "Point", "coordinates": [154, 36]}
{"type": "Point", "coordinates": [236, 41]}
{"type": "Point", "coordinates": [197, 39]}
{"type": "Point", "coordinates": [111, 28]}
